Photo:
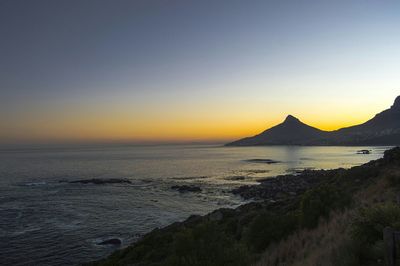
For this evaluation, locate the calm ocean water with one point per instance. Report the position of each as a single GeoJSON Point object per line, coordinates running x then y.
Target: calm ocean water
{"type": "Point", "coordinates": [47, 221]}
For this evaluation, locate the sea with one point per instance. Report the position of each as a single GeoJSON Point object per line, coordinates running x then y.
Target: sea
{"type": "Point", "coordinates": [45, 220]}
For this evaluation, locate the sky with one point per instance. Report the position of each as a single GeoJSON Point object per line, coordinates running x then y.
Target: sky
{"type": "Point", "coordinates": [144, 70]}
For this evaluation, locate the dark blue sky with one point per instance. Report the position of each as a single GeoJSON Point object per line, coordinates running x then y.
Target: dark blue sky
{"type": "Point", "coordinates": [154, 60]}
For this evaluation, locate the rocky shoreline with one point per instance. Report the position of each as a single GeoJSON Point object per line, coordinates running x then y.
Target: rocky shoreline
{"type": "Point", "coordinates": [284, 186]}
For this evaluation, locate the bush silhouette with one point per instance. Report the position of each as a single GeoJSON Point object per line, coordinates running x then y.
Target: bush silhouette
{"type": "Point", "coordinates": [319, 202]}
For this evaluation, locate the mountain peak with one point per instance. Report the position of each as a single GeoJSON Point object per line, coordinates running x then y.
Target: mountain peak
{"type": "Point", "coordinates": [291, 118]}
{"type": "Point", "coordinates": [396, 104]}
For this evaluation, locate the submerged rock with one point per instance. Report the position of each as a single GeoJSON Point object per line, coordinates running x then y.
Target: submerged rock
{"type": "Point", "coordinates": [111, 241]}
{"type": "Point", "coordinates": [255, 171]}
{"type": "Point", "coordinates": [189, 177]}
{"type": "Point", "coordinates": [186, 188]}
{"type": "Point", "coordinates": [235, 178]}
{"type": "Point", "coordinates": [267, 161]}
{"type": "Point", "coordinates": [100, 181]}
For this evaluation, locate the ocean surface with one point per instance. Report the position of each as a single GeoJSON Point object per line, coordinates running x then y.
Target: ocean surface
{"type": "Point", "coordinates": [44, 220]}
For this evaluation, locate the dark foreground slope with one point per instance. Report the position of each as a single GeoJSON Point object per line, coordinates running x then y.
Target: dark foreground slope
{"type": "Point", "coordinates": [241, 236]}
{"type": "Point", "coordinates": [383, 129]}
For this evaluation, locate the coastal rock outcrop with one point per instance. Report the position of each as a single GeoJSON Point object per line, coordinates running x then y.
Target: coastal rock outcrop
{"type": "Point", "coordinates": [276, 188]}
{"type": "Point", "coordinates": [363, 152]}
{"type": "Point", "coordinates": [101, 181]}
{"type": "Point", "coordinates": [266, 161]}
{"type": "Point", "coordinates": [111, 241]}
{"type": "Point", "coordinates": [186, 188]}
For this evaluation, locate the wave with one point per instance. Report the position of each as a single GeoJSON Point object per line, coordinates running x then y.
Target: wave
{"type": "Point", "coordinates": [34, 184]}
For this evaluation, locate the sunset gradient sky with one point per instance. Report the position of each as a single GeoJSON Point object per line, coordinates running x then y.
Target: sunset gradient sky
{"type": "Point", "coordinates": [143, 70]}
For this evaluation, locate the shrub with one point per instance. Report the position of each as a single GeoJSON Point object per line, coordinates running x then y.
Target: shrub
{"type": "Point", "coordinates": [268, 227]}
{"type": "Point", "coordinates": [367, 230]}
{"type": "Point", "coordinates": [319, 202]}
{"type": "Point", "coordinates": [393, 178]}
{"type": "Point", "coordinates": [206, 244]}
{"type": "Point", "coordinates": [370, 222]}
{"type": "Point", "coordinates": [392, 156]}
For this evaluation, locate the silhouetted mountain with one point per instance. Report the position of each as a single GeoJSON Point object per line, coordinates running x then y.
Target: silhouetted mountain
{"type": "Point", "coordinates": [383, 129]}
{"type": "Point", "coordinates": [291, 132]}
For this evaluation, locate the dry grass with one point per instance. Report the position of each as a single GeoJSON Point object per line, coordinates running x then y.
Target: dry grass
{"type": "Point", "coordinates": [321, 245]}
{"type": "Point", "coordinates": [378, 192]}
{"type": "Point", "coordinates": [310, 247]}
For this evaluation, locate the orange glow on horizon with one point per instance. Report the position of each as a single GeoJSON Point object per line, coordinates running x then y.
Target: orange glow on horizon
{"type": "Point", "coordinates": [219, 121]}
{"type": "Point", "coordinates": [163, 130]}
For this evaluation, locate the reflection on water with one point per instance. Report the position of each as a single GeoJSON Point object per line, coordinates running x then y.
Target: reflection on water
{"type": "Point", "coordinates": [44, 220]}
{"type": "Point", "coordinates": [292, 155]}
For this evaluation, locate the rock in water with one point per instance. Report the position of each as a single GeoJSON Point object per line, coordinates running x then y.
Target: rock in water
{"type": "Point", "coordinates": [186, 188]}
{"type": "Point", "coordinates": [101, 181]}
{"type": "Point", "coordinates": [112, 241]}
{"type": "Point", "coordinates": [267, 161]}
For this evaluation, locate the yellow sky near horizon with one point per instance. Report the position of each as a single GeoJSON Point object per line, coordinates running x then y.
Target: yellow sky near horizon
{"type": "Point", "coordinates": [182, 123]}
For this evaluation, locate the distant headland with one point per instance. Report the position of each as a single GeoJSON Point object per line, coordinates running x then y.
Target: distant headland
{"type": "Point", "coordinates": [383, 129]}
